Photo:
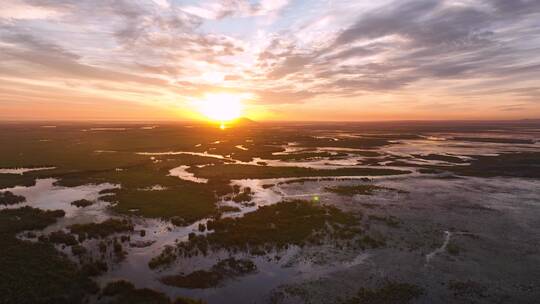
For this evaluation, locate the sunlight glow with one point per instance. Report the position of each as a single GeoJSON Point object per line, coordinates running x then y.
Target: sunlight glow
{"type": "Point", "coordinates": [221, 107]}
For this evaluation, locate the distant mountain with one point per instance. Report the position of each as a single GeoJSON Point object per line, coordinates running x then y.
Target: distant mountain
{"type": "Point", "coordinates": [242, 121]}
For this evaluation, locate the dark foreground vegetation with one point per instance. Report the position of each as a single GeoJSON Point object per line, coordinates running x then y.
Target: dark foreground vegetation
{"type": "Point", "coordinates": [228, 172]}
{"type": "Point", "coordinates": [101, 230]}
{"type": "Point", "coordinates": [524, 164]}
{"type": "Point", "coordinates": [123, 292]}
{"type": "Point", "coordinates": [275, 227]}
{"type": "Point", "coordinates": [36, 272]}
{"type": "Point", "coordinates": [363, 189]}
{"type": "Point", "coordinates": [388, 293]}
{"type": "Point", "coordinates": [8, 198]}
{"type": "Point", "coordinates": [82, 203]}
{"type": "Point", "coordinates": [224, 269]}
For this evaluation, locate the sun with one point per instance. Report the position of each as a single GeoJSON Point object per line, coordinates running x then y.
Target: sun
{"type": "Point", "coordinates": [221, 107]}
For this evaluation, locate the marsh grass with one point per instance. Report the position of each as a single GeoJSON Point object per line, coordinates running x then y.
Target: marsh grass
{"type": "Point", "coordinates": [244, 195]}
{"type": "Point", "coordinates": [123, 292]}
{"type": "Point", "coordinates": [225, 209]}
{"type": "Point", "coordinates": [363, 189]}
{"type": "Point", "coordinates": [78, 161]}
{"type": "Point", "coordinates": [35, 272]}
{"type": "Point", "coordinates": [304, 156]}
{"type": "Point", "coordinates": [453, 249]}
{"type": "Point", "coordinates": [390, 221]}
{"type": "Point", "coordinates": [227, 172]}
{"type": "Point", "coordinates": [518, 164]}
{"type": "Point", "coordinates": [201, 279]}
{"type": "Point", "coordinates": [389, 293]}
{"type": "Point", "coordinates": [467, 289]}
{"type": "Point", "coordinates": [82, 203]}
{"type": "Point", "coordinates": [12, 180]}
{"type": "Point", "coordinates": [61, 237]}
{"type": "Point", "coordinates": [166, 257]}
{"type": "Point", "coordinates": [276, 226]}
{"type": "Point", "coordinates": [8, 198]}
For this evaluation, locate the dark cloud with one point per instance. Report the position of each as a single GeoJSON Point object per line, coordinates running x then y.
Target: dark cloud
{"type": "Point", "coordinates": [424, 40]}
{"type": "Point", "coordinates": [388, 20]}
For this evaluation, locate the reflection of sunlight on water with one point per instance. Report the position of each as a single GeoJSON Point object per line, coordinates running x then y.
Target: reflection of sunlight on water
{"type": "Point", "coordinates": [183, 152]}
{"type": "Point", "coordinates": [21, 171]}
{"type": "Point", "coordinates": [241, 147]}
{"type": "Point", "coordinates": [181, 173]}
{"type": "Point", "coordinates": [439, 144]}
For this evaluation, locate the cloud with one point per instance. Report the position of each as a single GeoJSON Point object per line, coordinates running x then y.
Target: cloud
{"type": "Point", "coordinates": [398, 45]}
{"type": "Point", "coordinates": [19, 10]}
{"type": "Point", "coordinates": [232, 8]}
{"type": "Point", "coordinates": [165, 51]}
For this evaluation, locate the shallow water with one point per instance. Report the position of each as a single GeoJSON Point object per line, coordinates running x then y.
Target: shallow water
{"type": "Point", "coordinates": [181, 173]}
{"type": "Point", "coordinates": [45, 195]}
{"type": "Point", "coordinates": [21, 171]}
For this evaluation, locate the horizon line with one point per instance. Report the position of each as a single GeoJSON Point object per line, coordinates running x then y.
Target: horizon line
{"type": "Point", "coordinates": [133, 121]}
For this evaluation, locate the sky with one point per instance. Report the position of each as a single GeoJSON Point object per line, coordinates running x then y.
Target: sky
{"type": "Point", "coordinates": [316, 60]}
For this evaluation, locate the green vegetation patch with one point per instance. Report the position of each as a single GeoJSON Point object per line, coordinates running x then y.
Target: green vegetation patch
{"type": "Point", "coordinates": [8, 198]}
{"type": "Point", "coordinates": [200, 279]}
{"type": "Point", "coordinates": [35, 272]}
{"type": "Point", "coordinates": [26, 218]}
{"type": "Point", "coordinates": [242, 195]}
{"type": "Point", "coordinates": [224, 209]}
{"type": "Point", "coordinates": [520, 164]}
{"type": "Point", "coordinates": [467, 289]}
{"type": "Point", "coordinates": [275, 226]}
{"type": "Point", "coordinates": [524, 164]}
{"type": "Point", "coordinates": [453, 249]}
{"type": "Point", "coordinates": [123, 292]}
{"type": "Point", "coordinates": [228, 172]}
{"type": "Point", "coordinates": [363, 189]}
{"type": "Point", "coordinates": [61, 237]}
{"type": "Point", "coordinates": [82, 203]}
{"type": "Point", "coordinates": [290, 222]}
{"type": "Point", "coordinates": [12, 180]}
{"type": "Point", "coordinates": [389, 293]}
{"type": "Point", "coordinates": [184, 203]}
{"type": "Point", "coordinates": [304, 156]}
{"type": "Point", "coordinates": [390, 220]}
{"type": "Point", "coordinates": [166, 257]}
{"type": "Point", "coordinates": [101, 230]}
{"type": "Point", "coordinates": [180, 199]}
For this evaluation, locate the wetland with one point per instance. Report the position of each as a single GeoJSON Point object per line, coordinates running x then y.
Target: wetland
{"type": "Point", "coordinates": [270, 213]}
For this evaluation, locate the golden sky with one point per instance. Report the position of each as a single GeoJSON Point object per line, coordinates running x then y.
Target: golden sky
{"type": "Point", "coordinates": [313, 60]}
